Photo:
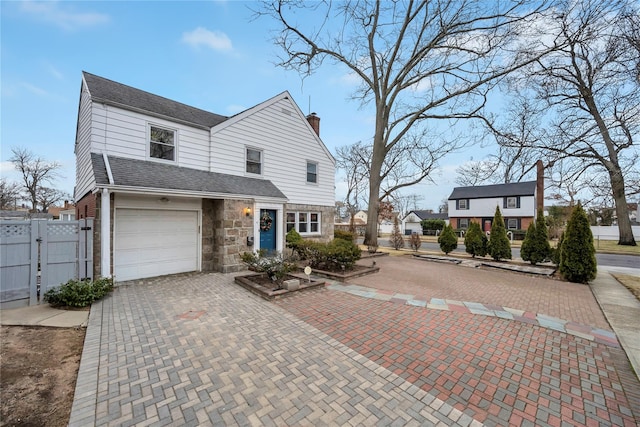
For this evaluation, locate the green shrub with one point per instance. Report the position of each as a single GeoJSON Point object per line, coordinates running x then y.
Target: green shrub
{"type": "Point", "coordinates": [293, 240]}
{"type": "Point", "coordinates": [275, 267]}
{"type": "Point", "coordinates": [397, 240]}
{"type": "Point", "coordinates": [76, 293]}
{"type": "Point", "coordinates": [535, 247]}
{"type": "Point", "coordinates": [475, 241]}
{"type": "Point", "coordinates": [415, 241]}
{"type": "Point", "coordinates": [577, 253]}
{"type": "Point", "coordinates": [344, 235]}
{"type": "Point", "coordinates": [499, 246]}
{"type": "Point", "coordinates": [555, 252]}
{"type": "Point", "coordinates": [433, 224]}
{"type": "Point", "coordinates": [337, 255]}
{"type": "Point", "coordinates": [448, 240]}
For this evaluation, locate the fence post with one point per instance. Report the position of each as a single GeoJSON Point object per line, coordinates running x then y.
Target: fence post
{"type": "Point", "coordinates": [33, 272]}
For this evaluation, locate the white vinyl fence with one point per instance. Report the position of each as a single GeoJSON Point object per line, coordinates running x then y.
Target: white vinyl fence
{"type": "Point", "coordinates": [37, 255]}
{"type": "Point", "coordinates": [611, 232]}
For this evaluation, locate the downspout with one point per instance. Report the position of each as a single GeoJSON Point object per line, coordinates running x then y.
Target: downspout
{"type": "Point", "coordinates": [105, 234]}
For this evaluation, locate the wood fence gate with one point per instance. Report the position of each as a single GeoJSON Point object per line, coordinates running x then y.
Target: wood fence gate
{"type": "Point", "coordinates": [37, 255]}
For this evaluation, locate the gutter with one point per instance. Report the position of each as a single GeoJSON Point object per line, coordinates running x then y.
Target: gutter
{"type": "Point", "coordinates": [183, 193]}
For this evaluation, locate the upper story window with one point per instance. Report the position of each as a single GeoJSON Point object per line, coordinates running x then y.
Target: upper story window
{"type": "Point", "coordinates": [462, 204]}
{"type": "Point", "coordinates": [312, 172]}
{"type": "Point", "coordinates": [254, 161]}
{"type": "Point", "coordinates": [162, 143]}
{"type": "Point", "coordinates": [511, 202]}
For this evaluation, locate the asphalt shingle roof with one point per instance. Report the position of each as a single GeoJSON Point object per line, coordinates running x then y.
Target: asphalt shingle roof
{"type": "Point", "coordinates": [431, 215]}
{"type": "Point", "coordinates": [152, 175]}
{"type": "Point", "coordinates": [526, 188]}
{"type": "Point", "coordinates": [108, 91]}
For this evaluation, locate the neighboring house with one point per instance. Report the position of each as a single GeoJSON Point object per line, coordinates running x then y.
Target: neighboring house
{"type": "Point", "coordinates": [14, 214]}
{"type": "Point", "coordinates": [412, 221]}
{"type": "Point", "coordinates": [517, 201]}
{"type": "Point", "coordinates": [63, 213]}
{"type": "Point", "coordinates": [362, 216]}
{"type": "Point", "coordinates": [175, 189]}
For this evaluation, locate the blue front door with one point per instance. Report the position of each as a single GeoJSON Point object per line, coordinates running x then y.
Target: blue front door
{"type": "Point", "coordinates": [268, 225]}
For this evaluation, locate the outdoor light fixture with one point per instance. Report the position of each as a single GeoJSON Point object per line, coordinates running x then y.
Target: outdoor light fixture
{"type": "Point", "coordinates": [247, 211]}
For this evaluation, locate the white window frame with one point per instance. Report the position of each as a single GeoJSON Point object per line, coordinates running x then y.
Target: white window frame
{"type": "Point", "coordinates": [149, 142]}
{"type": "Point", "coordinates": [509, 227]}
{"type": "Point", "coordinates": [466, 204]}
{"type": "Point", "coordinates": [316, 173]}
{"type": "Point", "coordinates": [307, 224]}
{"type": "Point", "coordinates": [513, 199]}
{"type": "Point", "coordinates": [246, 160]}
{"type": "Point", "coordinates": [465, 225]}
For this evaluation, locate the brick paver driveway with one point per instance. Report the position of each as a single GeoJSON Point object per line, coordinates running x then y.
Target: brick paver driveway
{"type": "Point", "coordinates": [199, 350]}
{"type": "Point", "coordinates": [497, 371]}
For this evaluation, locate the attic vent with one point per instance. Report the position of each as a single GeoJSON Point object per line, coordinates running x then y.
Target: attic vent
{"type": "Point", "coordinates": [285, 111]}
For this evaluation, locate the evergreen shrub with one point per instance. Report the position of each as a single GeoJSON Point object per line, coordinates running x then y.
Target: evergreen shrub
{"type": "Point", "coordinates": [77, 293]}
{"type": "Point", "coordinates": [475, 241]}
{"type": "Point", "coordinates": [448, 240]}
{"type": "Point", "coordinates": [577, 254]}
{"type": "Point", "coordinates": [499, 246]}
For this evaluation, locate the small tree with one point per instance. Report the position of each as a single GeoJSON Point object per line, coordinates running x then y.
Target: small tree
{"type": "Point", "coordinates": [527, 247]}
{"type": "Point", "coordinates": [555, 252]}
{"type": "Point", "coordinates": [448, 239]}
{"type": "Point", "coordinates": [499, 247]}
{"type": "Point", "coordinates": [475, 241]}
{"type": "Point", "coordinates": [415, 241]}
{"type": "Point", "coordinates": [397, 241]}
{"type": "Point", "coordinates": [577, 254]}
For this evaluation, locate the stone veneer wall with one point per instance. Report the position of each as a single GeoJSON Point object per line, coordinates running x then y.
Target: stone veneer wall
{"type": "Point", "coordinates": [326, 218]}
{"type": "Point", "coordinates": [230, 229]}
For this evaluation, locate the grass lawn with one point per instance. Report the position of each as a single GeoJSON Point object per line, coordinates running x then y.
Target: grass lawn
{"type": "Point", "coordinates": [631, 282]}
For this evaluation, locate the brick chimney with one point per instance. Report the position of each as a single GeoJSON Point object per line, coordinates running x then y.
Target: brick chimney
{"type": "Point", "coordinates": [540, 186]}
{"type": "Point", "coordinates": [314, 121]}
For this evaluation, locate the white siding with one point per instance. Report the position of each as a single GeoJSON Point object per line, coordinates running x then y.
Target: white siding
{"type": "Point", "coordinates": [123, 133]}
{"type": "Point", "coordinates": [84, 173]}
{"type": "Point", "coordinates": [487, 208]}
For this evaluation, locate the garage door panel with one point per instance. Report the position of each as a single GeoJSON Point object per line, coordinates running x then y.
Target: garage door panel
{"type": "Point", "coordinates": [152, 243]}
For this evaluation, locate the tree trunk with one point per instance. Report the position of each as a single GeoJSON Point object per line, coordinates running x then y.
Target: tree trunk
{"type": "Point", "coordinates": [622, 209]}
{"type": "Point", "coordinates": [379, 152]}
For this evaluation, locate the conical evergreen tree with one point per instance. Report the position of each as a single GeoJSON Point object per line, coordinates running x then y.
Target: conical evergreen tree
{"type": "Point", "coordinates": [526, 249]}
{"type": "Point", "coordinates": [475, 241]}
{"type": "Point", "coordinates": [499, 247]}
{"type": "Point", "coordinates": [448, 239]}
{"type": "Point", "coordinates": [542, 247]}
{"type": "Point", "coordinates": [577, 255]}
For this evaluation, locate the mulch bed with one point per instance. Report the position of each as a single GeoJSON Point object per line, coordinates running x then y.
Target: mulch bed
{"type": "Point", "coordinates": [262, 286]}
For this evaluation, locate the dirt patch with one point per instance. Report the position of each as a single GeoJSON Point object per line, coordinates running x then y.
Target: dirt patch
{"type": "Point", "coordinates": [39, 371]}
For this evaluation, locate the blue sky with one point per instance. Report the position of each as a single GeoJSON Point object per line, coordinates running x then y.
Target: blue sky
{"type": "Point", "coordinates": [207, 54]}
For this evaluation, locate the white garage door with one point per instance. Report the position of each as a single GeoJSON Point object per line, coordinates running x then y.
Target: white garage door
{"type": "Point", "coordinates": [152, 243]}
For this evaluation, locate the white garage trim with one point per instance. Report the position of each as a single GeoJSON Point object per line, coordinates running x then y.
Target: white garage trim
{"type": "Point", "coordinates": [155, 242]}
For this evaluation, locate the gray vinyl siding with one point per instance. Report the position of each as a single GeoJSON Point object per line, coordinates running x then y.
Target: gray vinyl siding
{"type": "Point", "coordinates": [84, 174]}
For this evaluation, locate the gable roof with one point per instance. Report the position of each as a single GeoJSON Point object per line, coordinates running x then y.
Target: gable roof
{"type": "Point", "coordinates": [526, 188]}
{"type": "Point", "coordinates": [153, 176]}
{"type": "Point", "coordinates": [123, 96]}
{"type": "Point", "coordinates": [429, 215]}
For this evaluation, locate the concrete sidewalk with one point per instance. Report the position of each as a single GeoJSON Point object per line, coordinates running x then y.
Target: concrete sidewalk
{"type": "Point", "coordinates": [44, 315]}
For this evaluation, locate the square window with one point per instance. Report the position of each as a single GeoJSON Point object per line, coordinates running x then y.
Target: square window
{"type": "Point", "coordinates": [312, 172]}
{"type": "Point", "coordinates": [512, 202]}
{"type": "Point", "coordinates": [512, 223]}
{"type": "Point", "coordinates": [254, 161]}
{"type": "Point", "coordinates": [162, 143]}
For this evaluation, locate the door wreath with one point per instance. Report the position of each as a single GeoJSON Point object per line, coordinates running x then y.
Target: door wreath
{"type": "Point", "coordinates": [265, 222]}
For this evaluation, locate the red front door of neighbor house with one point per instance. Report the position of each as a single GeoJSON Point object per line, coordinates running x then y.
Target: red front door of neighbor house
{"type": "Point", "coordinates": [486, 225]}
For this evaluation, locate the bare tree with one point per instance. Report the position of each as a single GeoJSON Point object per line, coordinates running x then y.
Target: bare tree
{"type": "Point", "coordinates": [416, 61]}
{"type": "Point", "coordinates": [48, 197]}
{"type": "Point", "coordinates": [590, 89]}
{"type": "Point", "coordinates": [35, 173]}
{"type": "Point", "coordinates": [9, 194]}
{"type": "Point", "coordinates": [405, 203]}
